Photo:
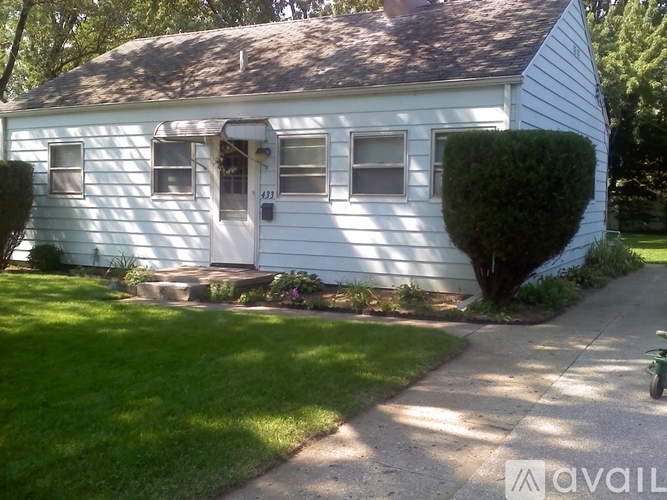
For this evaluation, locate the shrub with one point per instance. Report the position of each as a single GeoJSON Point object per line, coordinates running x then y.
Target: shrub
{"type": "Point", "coordinates": [16, 197]}
{"type": "Point", "coordinates": [584, 276]}
{"type": "Point", "coordinates": [315, 304]}
{"type": "Point", "coordinates": [45, 257]}
{"type": "Point", "coordinates": [253, 296]}
{"type": "Point", "coordinates": [513, 200]}
{"type": "Point", "coordinates": [138, 275]}
{"type": "Point", "coordinates": [301, 281]}
{"type": "Point", "coordinates": [488, 309]}
{"type": "Point", "coordinates": [359, 293]}
{"type": "Point", "coordinates": [612, 258]}
{"type": "Point", "coordinates": [387, 306]}
{"type": "Point", "coordinates": [294, 296]}
{"type": "Point", "coordinates": [411, 296]}
{"type": "Point", "coordinates": [549, 292]}
{"type": "Point", "coordinates": [222, 292]}
{"type": "Point", "coordinates": [119, 266]}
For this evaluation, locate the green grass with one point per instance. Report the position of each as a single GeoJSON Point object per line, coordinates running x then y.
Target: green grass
{"type": "Point", "coordinates": [652, 247]}
{"type": "Point", "coordinates": [101, 398]}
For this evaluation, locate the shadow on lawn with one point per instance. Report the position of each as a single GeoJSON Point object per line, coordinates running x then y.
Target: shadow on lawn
{"type": "Point", "coordinates": [114, 399]}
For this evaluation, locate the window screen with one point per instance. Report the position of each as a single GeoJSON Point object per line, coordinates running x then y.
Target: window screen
{"type": "Point", "coordinates": [302, 168]}
{"type": "Point", "coordinates": [66, 169]}
{"type": "Point", "coordinates": [378, 164]}
{"type": "Point", "coordinates": [172, 168]}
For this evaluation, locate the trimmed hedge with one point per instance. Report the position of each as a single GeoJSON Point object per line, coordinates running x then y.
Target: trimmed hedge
{"type": "Point", "coordinates": [513, 200]}
{"type": "Point", "coordinates": [16, 197]}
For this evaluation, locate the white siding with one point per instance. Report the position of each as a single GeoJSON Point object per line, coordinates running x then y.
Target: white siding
{"type": "Point", "coordinates": [392, 240]}
{"type": "Point", "coordinates": [559, 93]}
{"type": "Point", "coordinates": [116, 213]}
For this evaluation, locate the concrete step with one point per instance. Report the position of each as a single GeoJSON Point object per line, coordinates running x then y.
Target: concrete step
{"type": "Point", "coordinates": [191, 283]}
{"type": "Point", "coordinates": [207, 275]}
{"type": "Point", "coordinates": [169, 290]}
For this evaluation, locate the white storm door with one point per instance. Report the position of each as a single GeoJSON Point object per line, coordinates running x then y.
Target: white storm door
{"type": "Point", "coordinates": [234, 208]}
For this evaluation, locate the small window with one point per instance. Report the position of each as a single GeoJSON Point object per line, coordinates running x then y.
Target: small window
{"type": "Point", "coordinates": [302, 168]}
{"type": "Point", "coordinates": [378, 164]}
{"type": "Point", "coordinates": [173, 171]}
{"type": "Point", "coordinates": [66, 169]}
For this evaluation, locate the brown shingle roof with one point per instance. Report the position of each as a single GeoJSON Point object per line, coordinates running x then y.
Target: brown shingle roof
{"type": "Point", "coordinates": [463, 39]}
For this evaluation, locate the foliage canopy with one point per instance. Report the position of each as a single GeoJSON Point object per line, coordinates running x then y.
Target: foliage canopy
{"type": "Point", "coordinates": [630, 47]}
{"type": "Point", "coordinates": [15, 203]}
{"type": "Point", "coordinates": [513, 200]}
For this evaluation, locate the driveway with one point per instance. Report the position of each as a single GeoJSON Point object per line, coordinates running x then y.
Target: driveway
{"type": "Point", "coordinates": [570, 395]}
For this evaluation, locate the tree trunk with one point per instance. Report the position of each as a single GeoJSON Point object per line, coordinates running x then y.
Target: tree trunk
{"type": "Point", "coordinates": [14, 50]}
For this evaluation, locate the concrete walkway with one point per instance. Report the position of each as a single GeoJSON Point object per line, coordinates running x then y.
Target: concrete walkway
{"type": "Point", "coordinates": [572, 393]}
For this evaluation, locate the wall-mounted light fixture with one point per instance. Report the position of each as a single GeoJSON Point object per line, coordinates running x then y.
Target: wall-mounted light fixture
{"type": "Point", "coordinates": [263, 152]}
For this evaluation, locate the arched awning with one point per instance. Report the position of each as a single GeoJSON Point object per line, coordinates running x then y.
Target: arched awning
{"type": "Point", "coordinates": [229, 129]}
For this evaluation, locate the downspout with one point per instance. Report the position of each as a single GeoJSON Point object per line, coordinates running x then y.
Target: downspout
{"type": "Point", "coordinates": [512, 106]}
{"type": "Point", "coordinates": [2, 138]}
{"type": "Point", "coordinates": [507, 107]}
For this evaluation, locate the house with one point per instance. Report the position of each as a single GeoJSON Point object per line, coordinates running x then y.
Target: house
{"type": "Point", "coordinates": [309, 145]}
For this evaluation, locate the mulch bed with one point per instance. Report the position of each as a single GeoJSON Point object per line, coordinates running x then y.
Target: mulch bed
{"type": "Point", "coordinates": [440, 307]}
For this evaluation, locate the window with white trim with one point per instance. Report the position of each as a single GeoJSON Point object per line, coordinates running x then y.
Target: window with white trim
{"type": "Point", "coordinates": [439, 139]}
{"type": "Point", "coordinates": [438, 153]}
{"type": "Point", "coordinates": [378, 164]}
{"type": "Point", "coordinates": [173, 168]}
{"type": "Point", "coordinates": [66, 168]}
{"type": "Point", "coordinates": [302, 165]}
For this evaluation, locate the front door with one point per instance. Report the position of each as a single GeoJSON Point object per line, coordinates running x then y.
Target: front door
{"type": "Point", "coordinates": [234, 208]}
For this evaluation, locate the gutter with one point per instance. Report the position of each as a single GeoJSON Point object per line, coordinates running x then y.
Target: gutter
{"type": "Point", "coordinates": [282, 96]}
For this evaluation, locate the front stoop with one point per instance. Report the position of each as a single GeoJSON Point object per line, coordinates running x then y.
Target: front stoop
{"type": "Point", "coordinates": [167, 290]}
{"type": "Point", "coordinates": [191, 283]}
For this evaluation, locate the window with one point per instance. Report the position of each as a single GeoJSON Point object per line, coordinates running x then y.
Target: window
{"type": "Point", "coordinates": [233, 167]}
{"type": "Point", "coordinates": [439, 139]}
{"type": "Point", "coordinates": [437, 154]}
{"type": "Point", "coordinates": [378, 164]}
{"type": "Point", "coordinates": [66, 169]}
{"type": "Point", "coordinates": [173, 172]}
{"type": "Point", "coordinates": [302, 168]}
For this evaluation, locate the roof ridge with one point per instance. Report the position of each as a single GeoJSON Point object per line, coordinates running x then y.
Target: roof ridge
{"type": "Point", "coordinates": [455, 41]}
{"type": "Point", "coordinates": [258, 25]}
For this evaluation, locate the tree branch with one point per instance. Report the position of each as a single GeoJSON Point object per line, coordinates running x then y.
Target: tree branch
{"type": "Point", "coordinates": [14, 50]}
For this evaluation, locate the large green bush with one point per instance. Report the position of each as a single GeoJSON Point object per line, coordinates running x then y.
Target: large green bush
{"type": "Point", "coordinates": [45, 257]}
{"type": "Point", "coordinates": [15, 204]}
{"type": "Point", "coordinates": [513, 200]}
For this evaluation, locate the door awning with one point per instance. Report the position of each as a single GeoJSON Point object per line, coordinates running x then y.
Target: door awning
{"type": "Point", "coordinates": [230, 129]}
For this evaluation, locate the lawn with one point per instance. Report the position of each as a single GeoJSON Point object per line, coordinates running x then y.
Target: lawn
{"type": "Point", "coordinates": [102, 398]}
{"type": "Point", "coordinates": [653, 247]}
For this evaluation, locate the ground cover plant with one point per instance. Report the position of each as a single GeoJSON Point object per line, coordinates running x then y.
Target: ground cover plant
{"type": "Point", "coordinates": [101, 398]}
{"type": "Point", "coordinates": [651, 247]}
{"type": "Point", "coordinates": [542, 298]}
{"type": "Point", "coordinates": [612, 258]}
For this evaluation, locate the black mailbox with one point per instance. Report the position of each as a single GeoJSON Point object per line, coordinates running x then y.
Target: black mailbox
{"type": "Point", "coordinates": [267, 211]}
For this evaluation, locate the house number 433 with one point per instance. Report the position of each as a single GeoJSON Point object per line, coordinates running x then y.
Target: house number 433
{"type": "Point", "coordinates": [267, 195]}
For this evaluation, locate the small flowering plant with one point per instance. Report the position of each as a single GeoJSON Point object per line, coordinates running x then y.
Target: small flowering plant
{"type": "Point", "coordinates": [294, 296]}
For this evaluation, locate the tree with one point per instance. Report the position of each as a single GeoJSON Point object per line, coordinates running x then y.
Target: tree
{"type": "Point", "coordinates": [40, 39]}
{"type": "Point", "coordinates": [513, 199]}
{"type": "Point", "coordinates": [337, 7]}
{"type": "Point", "coordinates": [630, 45]}
{"type": "Point", "coordinates": [15, 204]}
{"type": "Point", "coordinates": [49, 37]}
{"type": "Point", "coordinates": [12, 53]}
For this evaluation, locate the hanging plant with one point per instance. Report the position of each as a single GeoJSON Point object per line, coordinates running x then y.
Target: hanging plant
{"type": "Point", "coordinates": [227, 159]}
